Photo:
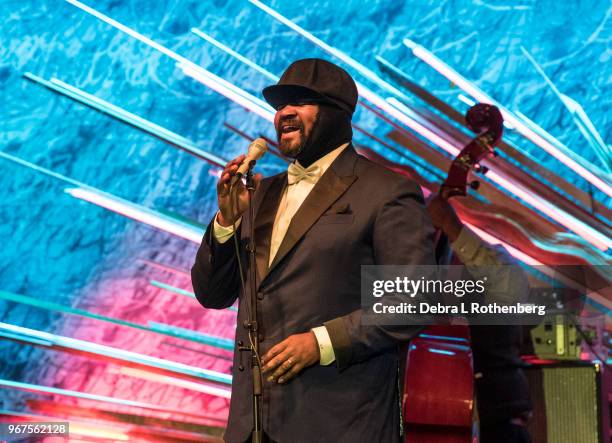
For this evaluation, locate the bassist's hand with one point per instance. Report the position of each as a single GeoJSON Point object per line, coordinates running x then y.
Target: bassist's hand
{"type": "Point", "coordinates": [443, 217]}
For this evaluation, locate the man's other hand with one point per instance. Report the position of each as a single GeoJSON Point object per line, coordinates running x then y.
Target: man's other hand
{"type": "Point", "coordinates": [286, 359]}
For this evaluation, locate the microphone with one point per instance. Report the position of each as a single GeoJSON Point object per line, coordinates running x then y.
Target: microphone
{"type": "Point", "coordinates": [257, 149]}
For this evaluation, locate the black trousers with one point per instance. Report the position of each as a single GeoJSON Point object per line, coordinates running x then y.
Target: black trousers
{"type": "Point", "coordinates": [504, 433]}
{"type": "Point", "coordinates": [265, 439]}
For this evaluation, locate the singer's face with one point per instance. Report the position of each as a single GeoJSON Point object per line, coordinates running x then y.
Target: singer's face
{"type": "Point", "coordinates": [294, 123]}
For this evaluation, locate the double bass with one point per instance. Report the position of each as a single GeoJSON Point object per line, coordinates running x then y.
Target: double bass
{"type": "Point", "coordinates": [438, 399]}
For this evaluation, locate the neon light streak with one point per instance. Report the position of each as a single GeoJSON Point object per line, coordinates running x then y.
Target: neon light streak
{"type": "Point", "coordinates": [26, 334]}
{"type": "Point", "coordinates": [580, 117]}
{"type": "Point", "coordinates": [400, 112]}
{"type": "Point", "coordinates": [398, 72]}
{"type": "Point", "coordinates": [148, 423]}
{"type": "Point", "coordinates": [208, 78]}
{"type": "Point", "coordinates": [441, 351]}
{"type": "Point", "coordinates": [197, 351]}
{"type": "Point", "coordinates": [369, 74]}
{"type": "Point", "coordinates": [139, 213]}
{"type": "Point", "coordinates": [414, 161]}
{"type": "Point", "coordinates": [443, 337]}
{"type": "Point", "coordinates": [171, 288]}
{"type": "Point", "coordinates": [124, 116]}
{"type": "Point", "coordinates": [167, 268]}
{"type": "Point", "coordinates": [179, 291]}
{"type": "Point", "coordinates": [593, 236]}
{"type": "Point", "coordinates": [234, 54]}
{"type": "Point", "coordinates": [542, 132]}
{"type": "Point", "coordinates": [189, 334]}
{"type": "Point", "coordinates": [42, 170]}
{"type": "Point", "coordinates": [97, 431]}
{"type": "Point", "coordinates": [168, 380]}
{"type": "Point", "coordinates": [561, 153]}
{"type": "Point", "coordinates": [264, 111]}
{"type": "Point", "coordinates": [468, 101]}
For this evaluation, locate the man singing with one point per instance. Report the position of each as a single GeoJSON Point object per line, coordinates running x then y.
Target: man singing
{"type": "Point", "coordinates": [327, 377]}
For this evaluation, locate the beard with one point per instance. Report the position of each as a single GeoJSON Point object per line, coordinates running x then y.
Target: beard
{"type": "Point", "coordinates": [293, 147]}
{"type": "Point", "coordinates": [330, 129]}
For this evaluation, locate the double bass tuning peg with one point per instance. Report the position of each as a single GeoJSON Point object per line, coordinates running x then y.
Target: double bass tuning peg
{"type": "Point", "coordinates": [481, 169]}
{"type": "Point", "coordinates": [475, 184]}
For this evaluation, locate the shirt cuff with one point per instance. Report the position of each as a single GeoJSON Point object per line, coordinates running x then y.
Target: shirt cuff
{"type": "Point", "coordinates": [223, 233]}
{"type": "Point", "coordinates": [326, 349]}
{"type": "Point", "coordinates": [466, 245]}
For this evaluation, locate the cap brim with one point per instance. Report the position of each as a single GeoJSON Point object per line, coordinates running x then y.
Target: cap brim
{"type": "Point", "coordinates": [279, 95]}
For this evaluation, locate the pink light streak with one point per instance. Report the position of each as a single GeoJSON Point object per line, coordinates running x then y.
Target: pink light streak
{"type": "Point", "coordinates": [530, 261]}
{"type": "Point", "coordinates": [47, 390]}
{"type": "Point", "coordinates": [174, 381]}
{"type": "Point", "coordinates": [593, 236]}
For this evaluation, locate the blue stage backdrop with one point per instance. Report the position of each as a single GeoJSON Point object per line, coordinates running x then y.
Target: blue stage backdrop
{"type": "Point", "coordinates": [96, 126]}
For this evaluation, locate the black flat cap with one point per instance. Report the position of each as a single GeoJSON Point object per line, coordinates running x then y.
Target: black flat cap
{"type": "Point", "coordinates": [314, 79]}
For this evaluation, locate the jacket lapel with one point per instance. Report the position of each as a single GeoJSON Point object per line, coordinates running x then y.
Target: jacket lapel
{"type": "Point", "coordinates": [332, 184]}
{"type": "Point", "coordinates": [264, 221]}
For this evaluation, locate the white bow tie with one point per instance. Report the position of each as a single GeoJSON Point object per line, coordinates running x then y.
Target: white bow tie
{"type": "Point", "coordinates": [296, 172]}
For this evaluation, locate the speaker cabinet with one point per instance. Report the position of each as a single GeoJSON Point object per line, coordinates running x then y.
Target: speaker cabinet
{"type": "Point", "coordinates": [571, 403]}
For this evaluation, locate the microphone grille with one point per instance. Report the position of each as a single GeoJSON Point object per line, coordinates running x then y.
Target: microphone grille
{"type": "Point", "coordinates": [259, 146]}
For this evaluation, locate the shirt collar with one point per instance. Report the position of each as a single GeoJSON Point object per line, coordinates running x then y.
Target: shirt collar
{"type": "Point", "coordinates": [325, 162]}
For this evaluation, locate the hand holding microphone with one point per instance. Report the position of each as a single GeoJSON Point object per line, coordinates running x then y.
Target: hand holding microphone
{"type": "Point", "coordinates": [232, 194]}
{"type": "Point", "coordinates": [257, 149]}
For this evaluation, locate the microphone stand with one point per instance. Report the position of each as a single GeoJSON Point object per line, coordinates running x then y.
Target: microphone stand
{"type": "Point", "coordinates": [257, 436]}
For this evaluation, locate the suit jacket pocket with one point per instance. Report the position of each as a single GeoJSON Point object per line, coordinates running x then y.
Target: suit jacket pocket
{"type": "Point", "coordinates": [335, 218]}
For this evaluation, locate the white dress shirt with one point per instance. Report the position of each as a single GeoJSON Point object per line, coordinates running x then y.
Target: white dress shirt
{"type": "Point", "coordinates": [300, 183]}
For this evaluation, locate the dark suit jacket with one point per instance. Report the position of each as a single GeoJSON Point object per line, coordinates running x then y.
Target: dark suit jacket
{"type": "Point", "coordinates": [358, 213]}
